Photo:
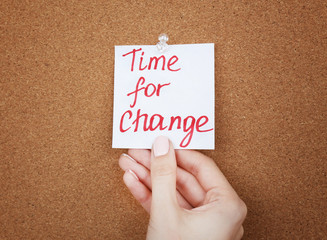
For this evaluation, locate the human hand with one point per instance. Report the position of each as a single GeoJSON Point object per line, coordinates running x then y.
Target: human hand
{"type": "Point", "coordinates": [185, 193]}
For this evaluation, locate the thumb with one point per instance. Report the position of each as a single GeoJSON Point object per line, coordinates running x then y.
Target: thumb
{"type": "Point", "coordinates": [163, 177]}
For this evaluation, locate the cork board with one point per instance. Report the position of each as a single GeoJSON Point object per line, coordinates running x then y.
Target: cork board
{"type": "Point", "coordinates": [59, 176]}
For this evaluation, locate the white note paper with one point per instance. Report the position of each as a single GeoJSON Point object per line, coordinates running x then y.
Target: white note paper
{"type": "Point", "coordinates": [169, 94]}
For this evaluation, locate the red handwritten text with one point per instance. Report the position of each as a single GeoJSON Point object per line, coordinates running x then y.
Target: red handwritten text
{"type": "Point", "coordinates": [149, 90]}
{"type": "Point", "coordinates": [152, 63]}
{"type": "Point", "coordinates": [151, 123]}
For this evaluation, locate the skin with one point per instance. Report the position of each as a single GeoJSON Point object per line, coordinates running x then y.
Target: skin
{"type": "Point", "coordinates": [185, 193]}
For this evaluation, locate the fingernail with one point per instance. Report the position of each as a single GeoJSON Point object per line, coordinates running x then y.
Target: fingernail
{"type": "Point", "coordinates": [133, 173]}
{"type": "Point", "coordinates": [160, 146]}
{"type": "Point", "coordinates": [128, 156]}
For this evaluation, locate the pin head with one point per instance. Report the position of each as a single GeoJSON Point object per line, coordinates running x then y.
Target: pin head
{"type": "Point", "coordinates": [163, 37]}
{"type": "Point", "coordinates": [162, 44]}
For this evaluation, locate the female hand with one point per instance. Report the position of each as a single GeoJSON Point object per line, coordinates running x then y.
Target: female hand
{"type": "Point", "coordinates": [185, 193]}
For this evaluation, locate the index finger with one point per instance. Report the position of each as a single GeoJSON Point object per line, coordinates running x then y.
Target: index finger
{"type": "Point", "coordinates": [204, 169]}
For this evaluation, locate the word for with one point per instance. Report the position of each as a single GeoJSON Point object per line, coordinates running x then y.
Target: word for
{"type": "Point", "coordinates": [149, 90]}
{"type": "Point", "coordinates": [150, 123]}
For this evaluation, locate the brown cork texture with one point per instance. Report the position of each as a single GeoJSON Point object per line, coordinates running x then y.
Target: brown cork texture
{"type": "Point", "coordinates": [59, 176]}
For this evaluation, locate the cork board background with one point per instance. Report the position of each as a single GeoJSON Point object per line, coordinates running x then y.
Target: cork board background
{"type": "Point", "coordinates": [59, 176]}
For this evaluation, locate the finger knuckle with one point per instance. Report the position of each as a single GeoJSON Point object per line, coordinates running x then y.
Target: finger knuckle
{"type": "Point", "coordinates": [242, 232]}
{"type": "Point", "coordinates": [143, 198]}
{"type": "Point", "coordinates": [182, 180]}
{"type": "Point", "coordinates": [212, 195]}
{"type": "Point", "coordinates": [237, 209]}
{"type": "Point", "coordinates": [244, 209]}
{"type": "Point", "coordinates": [163, 170]}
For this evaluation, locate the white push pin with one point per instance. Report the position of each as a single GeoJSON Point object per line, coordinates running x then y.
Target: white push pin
{"type": "Point", "coordinates": [162, 44]}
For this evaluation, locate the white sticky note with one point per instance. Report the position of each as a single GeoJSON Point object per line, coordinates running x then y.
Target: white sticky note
{"type": "Point", "coordinates": [170, 94]}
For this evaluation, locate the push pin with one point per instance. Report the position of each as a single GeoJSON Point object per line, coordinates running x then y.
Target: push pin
{"type": "Point", "coordinates": [162, 44]}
